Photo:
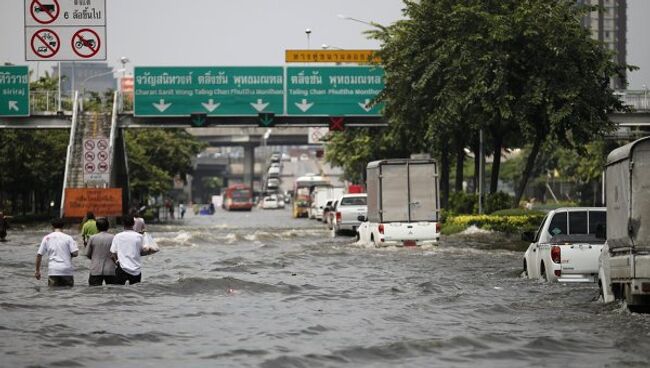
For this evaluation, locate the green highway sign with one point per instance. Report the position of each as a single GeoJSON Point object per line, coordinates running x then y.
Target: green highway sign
{"type": "Point", "coordinates": [334, 90]}
{"type": "Point", "coordinates": [226, 91]}
{"type": "Point", "coordinates": [14, 91]}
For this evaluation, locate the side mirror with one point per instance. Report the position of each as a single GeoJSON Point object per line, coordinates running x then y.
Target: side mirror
{"type": "Point", "coordinates": [361, 218]}
{"type": "Point", "coordinates": [528, 236]}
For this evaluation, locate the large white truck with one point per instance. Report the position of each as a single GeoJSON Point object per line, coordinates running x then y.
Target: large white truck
{"type": "Point", "coordinates": [320, 196]}
{"type": "Point", "coordinates": [624, 271]}
{"type": "Point", "coordinates": [403, 203]}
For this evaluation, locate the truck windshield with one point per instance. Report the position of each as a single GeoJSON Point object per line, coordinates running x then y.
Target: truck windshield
{"type": "Point", "coordinates": [353, 201]}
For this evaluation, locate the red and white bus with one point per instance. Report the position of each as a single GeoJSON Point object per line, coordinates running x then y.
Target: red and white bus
{"type": "Point", "coordinates": [238, 197]}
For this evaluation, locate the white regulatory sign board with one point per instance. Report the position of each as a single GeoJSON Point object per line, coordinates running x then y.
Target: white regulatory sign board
{"type": "Point", "coordinates": [65, 30]}
{"type": "Point", "coordinates": [316, 135]}
{"type": "Point", "coordinates": [96, 160]}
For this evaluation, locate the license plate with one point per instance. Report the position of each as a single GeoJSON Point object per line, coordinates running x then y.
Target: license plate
{"type": "Point", "coordinates": [409, 243]}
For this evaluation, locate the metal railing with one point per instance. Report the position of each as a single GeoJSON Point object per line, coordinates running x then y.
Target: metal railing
{"type": "Point", "coordinates": [639, 100]}
{"type": "Point", "coordinates": [111, 139]}
{"type": "Point", "coordinates": [69, 157]}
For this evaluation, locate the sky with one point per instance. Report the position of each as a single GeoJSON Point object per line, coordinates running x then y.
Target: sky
{"type": "Point", "coordinates": [253, 32]}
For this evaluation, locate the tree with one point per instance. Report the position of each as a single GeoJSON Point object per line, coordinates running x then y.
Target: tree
{"type": "Point", "coordinates": [524, 71]}
{"type": "Point", "coordinates": [156, 156]}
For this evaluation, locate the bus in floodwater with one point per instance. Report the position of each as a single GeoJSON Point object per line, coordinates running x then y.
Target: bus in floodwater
{"type": "Point", "coordinates": [238, 197]}
{"type": "Point", "coordinates": [302, 189]}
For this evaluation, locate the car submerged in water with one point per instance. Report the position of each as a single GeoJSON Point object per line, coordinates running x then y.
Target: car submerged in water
{"type": "Point", "coordinates": [567, 245]}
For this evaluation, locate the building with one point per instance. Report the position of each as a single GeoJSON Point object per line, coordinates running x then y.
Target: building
{"type": "Point", "coordinates": [609, 25]}
{"type": "Point", "coordinates": [85, 76]}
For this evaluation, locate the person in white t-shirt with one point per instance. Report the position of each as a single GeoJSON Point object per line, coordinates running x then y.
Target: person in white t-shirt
{"type": "Point", "coordinates": [138, 225]}
{"type": "Point", "coordinates": [126, 250]}
{"type": "Point", "coordinates": [60, 248]}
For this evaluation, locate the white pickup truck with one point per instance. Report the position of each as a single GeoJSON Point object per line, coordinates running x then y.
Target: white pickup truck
{"type": "Point", "coordinates": [567, 245]}
{"type": "Point", "coordinates": [403, 203]}
{"type": "Point", "coordinates": [348, 210]}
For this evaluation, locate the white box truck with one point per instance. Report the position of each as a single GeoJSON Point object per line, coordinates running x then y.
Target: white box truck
{"type": "Point", "coordinates": [403, 203]}
{"type": "Point", "coordinates": [320, 196]}
{"type": "Point", "coordinates": [624, 271]}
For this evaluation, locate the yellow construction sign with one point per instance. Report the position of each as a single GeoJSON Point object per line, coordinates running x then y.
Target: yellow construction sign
{"type": "Point", "coordinates": [331, 56]}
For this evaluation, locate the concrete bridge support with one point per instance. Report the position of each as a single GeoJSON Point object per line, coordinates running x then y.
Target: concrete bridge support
{"type": "Point", "coordinates": [249, 164]}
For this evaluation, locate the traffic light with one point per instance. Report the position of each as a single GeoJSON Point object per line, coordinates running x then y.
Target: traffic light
{"type": "Point", "coordinates": [337, 124]}
{"type": "Point", "coordinates": [266, 119]}
{"type": "Point", "coordinates": [198, 119]}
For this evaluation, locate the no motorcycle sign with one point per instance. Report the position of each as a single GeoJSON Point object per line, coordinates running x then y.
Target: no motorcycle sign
{"type": "Point", "coordinates": [65, 30]}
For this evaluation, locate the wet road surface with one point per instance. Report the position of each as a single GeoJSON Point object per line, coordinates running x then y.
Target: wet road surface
{"type": "Point", "coordinates": [261, 289]}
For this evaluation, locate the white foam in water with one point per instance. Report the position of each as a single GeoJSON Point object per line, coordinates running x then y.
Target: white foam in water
{"type": "Point", "coordinates": [182, 238]}
{"type": "Point", "coordinates": [473, 230]}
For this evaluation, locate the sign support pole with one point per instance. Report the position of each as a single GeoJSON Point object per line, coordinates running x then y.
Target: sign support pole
{"type": "Point", "coordinates": [59, 99]}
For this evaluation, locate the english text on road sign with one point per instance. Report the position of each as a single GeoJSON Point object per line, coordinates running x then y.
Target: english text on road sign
{"type": "Point", "coordinates": [228, 91]}
{"type": "Point", "coordinates": [331, 56]}
{"type": "Point", "coordinates": [14, 91]}
{"type": "Point", "coordinates": [334, 91]}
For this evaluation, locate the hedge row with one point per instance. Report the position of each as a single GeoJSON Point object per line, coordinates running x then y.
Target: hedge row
{"type": "Point", "coordinates": [506, 224]}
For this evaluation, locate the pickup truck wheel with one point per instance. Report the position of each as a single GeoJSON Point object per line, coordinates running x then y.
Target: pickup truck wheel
{"type": "Point", "coordinates": [542, 272]}
{"type": "Point", "coordinates": [525, 269]}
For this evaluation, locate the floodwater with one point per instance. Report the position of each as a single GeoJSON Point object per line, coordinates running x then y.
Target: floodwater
{"type": "Point", "coordinates": [263, 290]}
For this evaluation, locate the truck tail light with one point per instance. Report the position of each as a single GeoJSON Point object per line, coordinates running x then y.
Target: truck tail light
{"type": "Point", "coordinates": [437, 227]}
{"type": "Point", "coordinates": [381, 228]}
{"type": "Point", "coordinates": [556, 254]}
{"type": "Point", "coordinates": [338, 216]}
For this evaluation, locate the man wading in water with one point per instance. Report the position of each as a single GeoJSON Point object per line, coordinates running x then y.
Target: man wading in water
{"type": "Point", "coordinates": [126, 250]}
{"type": "Point", "coordinates": [60, 248]}
{"type": "Point", "coordinates": [102, 266]}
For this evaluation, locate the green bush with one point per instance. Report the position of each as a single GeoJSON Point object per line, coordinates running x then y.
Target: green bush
{"type": "Point", "coordinates": [497, 201]}
{"type": "Point", "coordinates": [467, 203]}
{"type": "Point", "coordinates": [506, 224]}
{"type": "Point", "coordinates": [462, 203]}
{"type": "Point", "coordinates": [518, 212]}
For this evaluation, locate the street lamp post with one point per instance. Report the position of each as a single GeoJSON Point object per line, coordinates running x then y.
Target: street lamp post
{"type": "Point", "coordinates": [123, 60]}
{"type": "Point", "coordinates": [330, 47]}
{"type": "Point", "coordinates": [346, 17]}
{"type": "Point", "coordinates": [308, 32]}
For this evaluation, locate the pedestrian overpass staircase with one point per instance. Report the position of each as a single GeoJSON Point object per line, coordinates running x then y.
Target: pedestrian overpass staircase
{"type": "Point", "coordinates": [86, 125]}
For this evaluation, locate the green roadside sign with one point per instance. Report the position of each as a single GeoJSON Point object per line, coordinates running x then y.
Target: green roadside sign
{"type": "Point", "coordinates": [227, 91]}
{"type": "Point", "coordinates": [334, 91]}
{"type": "Point", "coordinates": [14, 91]}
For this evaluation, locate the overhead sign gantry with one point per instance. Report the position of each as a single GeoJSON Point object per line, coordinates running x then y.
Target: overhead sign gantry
{"type": "Point", "coordinates": [276, 94]}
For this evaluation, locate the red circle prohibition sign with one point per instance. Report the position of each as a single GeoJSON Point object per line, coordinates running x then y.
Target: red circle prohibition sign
{"type": "Point", "coordinates": [48, 12]}
{"type": "Point", "coordinates": [103, 167]}
{"type": "Point", "coordinates": [45, 43]}
{"type": "Point", "coordinates": [89, 145]}
{"type": "Point", "coordinates": [89, 156]}
{"type": "Point", "coordinates": [90, 167]}
{"type": "Point", "coordinates": [102, 144]}
{"type": "Point", "coordinates": [86, 43]}
{"type": "Point", "coordinates": [102, 155]}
